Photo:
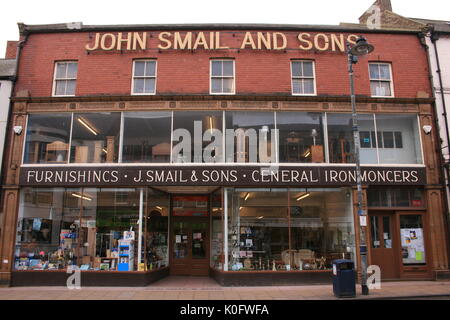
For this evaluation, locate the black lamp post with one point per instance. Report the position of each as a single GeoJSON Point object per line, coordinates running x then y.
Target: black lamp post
{"type": "Point", "coordinates": [359, 49]}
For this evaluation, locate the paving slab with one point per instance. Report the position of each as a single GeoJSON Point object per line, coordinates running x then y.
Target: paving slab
{"type": "Point", "coordinates": [204, 288]}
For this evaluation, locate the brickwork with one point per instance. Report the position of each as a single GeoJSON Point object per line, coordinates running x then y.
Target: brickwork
{"type": "Point", "coordinates": [187, 71]}
{"type": "Point", "coordinates": [11, 49]}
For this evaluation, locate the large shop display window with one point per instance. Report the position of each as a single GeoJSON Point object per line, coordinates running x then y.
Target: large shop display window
{"type": "Point", "coordinates": [111, 229]}
{"type": "Point", "coordinates": [301, 137]}
{"type": "Point", "coordinates": [398, 139]}
{"type": "Point", "coordinates": [340, 138]}
{"type": "Point", "coordinates": [194, 137]}
{"type": "Point", "coordinates": [295, 229]}
{"type": "Point", "coordinates": [217, 137]}
{"type": "Point", "coordinates": [47, 139]}
{"type": "Point", "coordinates": [146, 137]}
{"type": "Point", "coordinates": [254, 137]}
{"type": "Point", "coordinates": [47, 229]}
{"type": "Point", "coordinates": [95, 137]}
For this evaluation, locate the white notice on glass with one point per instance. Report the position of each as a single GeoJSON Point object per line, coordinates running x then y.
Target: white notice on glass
{"type": "Point", "coordinates": [363, 221]}
{"type": "Point", "coordinates": [178, 238]}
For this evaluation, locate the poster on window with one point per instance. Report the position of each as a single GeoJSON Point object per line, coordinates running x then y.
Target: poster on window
{"type": "Point", "coordinates": [37, 224]}
{"type": "Point", "coordinates": [413, 248]}
{"type": "Point", "coordinates": [128, 235]}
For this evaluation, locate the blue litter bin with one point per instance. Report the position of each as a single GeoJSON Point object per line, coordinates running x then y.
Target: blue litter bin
{"type": "Point", "coordinates": [344, 285]}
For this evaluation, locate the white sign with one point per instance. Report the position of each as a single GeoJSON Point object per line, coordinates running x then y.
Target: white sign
{"type": "Point", "coordinates": [363, 221]}
{"type": "Point", "coordinates": [128, 235]}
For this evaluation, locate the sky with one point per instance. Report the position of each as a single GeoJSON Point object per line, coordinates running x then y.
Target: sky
{"type": "Point", "coordinates": [93, 12]}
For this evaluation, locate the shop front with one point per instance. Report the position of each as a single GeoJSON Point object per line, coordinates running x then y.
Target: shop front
{"type": "Point", "coordinates": [275, 204]}
{"type": "Point", "coordinates": [140, 152]}
{"type": "Point", "coordinates": [398, 242]}
{"type": "Point", "coordinates": [144, 230]}
{"type": "Point", "coordinates": [190, 235]}
{"type": "Point", "coordinates": [260, 232]}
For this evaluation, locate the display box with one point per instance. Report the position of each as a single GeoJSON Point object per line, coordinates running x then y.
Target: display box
{"type": "Point", "coordinates": [97, 262]}
{"type": "Point", "coordinates": [86, 260]}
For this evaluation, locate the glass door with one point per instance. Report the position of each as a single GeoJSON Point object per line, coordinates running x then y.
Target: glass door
{"type": "Point", "coordinates": [190, 235]}
{"type": "Point", "coordinates": [190, 243]}
{"type": "Point", "coordinates": [199, 240]}
{"type": "Point", "coordinates": [181, 243]}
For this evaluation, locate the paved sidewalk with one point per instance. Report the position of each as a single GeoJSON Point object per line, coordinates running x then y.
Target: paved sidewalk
{"type": "Point", "coordinates": [199, 288]}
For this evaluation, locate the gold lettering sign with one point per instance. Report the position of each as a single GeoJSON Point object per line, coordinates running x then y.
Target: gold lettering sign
{"type": "Point", "coordinates": [132, 41]}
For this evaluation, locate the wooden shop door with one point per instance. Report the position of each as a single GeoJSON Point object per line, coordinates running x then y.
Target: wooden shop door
{"type": "Point", "coordinates": [190, 246]}
{"type": "Point", "coordinates": [384, 244]}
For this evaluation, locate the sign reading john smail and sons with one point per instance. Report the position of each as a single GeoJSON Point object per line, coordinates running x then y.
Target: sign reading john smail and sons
{"type": "Point", "coordinates": [218, 176]}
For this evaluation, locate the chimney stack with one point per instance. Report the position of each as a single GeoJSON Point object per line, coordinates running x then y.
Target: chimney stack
{"type": "Point", "coordinates": [384, 5]}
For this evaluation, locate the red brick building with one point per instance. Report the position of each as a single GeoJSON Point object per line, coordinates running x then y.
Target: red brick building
{"type": "Point", "coordinates": [100, 178]}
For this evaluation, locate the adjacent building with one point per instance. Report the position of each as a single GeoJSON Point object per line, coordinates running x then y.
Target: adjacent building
{"type": "Point", "coordinates": [221, 150]}
{"type": "Point", "coordinates": [7, 73]}
{"type": "Point", "coordinates": [437, 37]}
{"type": "Point", "coordinates": [434, 35]}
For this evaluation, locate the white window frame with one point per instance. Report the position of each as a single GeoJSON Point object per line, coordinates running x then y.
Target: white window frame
{"type": "Point", "coordinates": [377, 141]}
{"type": "Point", "coordinates": [391, 80]}
{"type": "Point", "coordinates": [303, 77]}
{"type": "Point", "coordinates": [222, 77]}
{"type": "Point", "coordinates": [63, 79]}
{"type": "Point", "coordinates": [144, 77]}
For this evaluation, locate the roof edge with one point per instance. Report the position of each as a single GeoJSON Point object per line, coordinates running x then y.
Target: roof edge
{"type": "Point", "coordinates": [7, 69]}
{"type": "Point", "coordinates": [25, 29]}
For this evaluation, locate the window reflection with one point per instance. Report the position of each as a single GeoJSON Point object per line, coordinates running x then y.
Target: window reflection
{"type": "Point", "coordinates": [368, 141]}
{"type": "Point", "coordinates": [144, 77]}
{"type": "Point", "coordinates": [217, 230]}
{"type": "Point", "coordinates": [109, 229]}
{"type": "Point", "coordinates": [340, 138]}
{"type": "Point", "coordinates": [157, 222]}
{"type": "Point", "coordinates": [252, 130]}
{"type": "Point", "coordinates": [95, 137]}
{"type": "Point", "coordinates": [198, 137]}
{"type": "Point", "coordinates": [400, 139]}
{"type": "Point", "coordinates": [65, 78]}
{"type": "Point", "coordinates": [301, 137]}
{"type": "Point", "coordinates": [48, 229]}
{"type": "Point", "coordinates": [295, 229]}
{"type": "Point", "coordinates": [222, 76]}
{"type": "Point", "coordinates": [146, 136]}
{"type": "Point", "coordinates": [92, 228]}
{"type": "Point", "coordinates": [47, 139]}
{"type": "Point", "coordinates": [395, 197]}
{"type": "Point", "coordinates": [195, 131]}
{"type": "Point", "coordinates": [321, 227]}
{"type": "Point", "coordinates": [258, 231]}
{"type": "Point", "coordinates": [199, 238]}
{"type": "Point", "coordinates": [302, 77]}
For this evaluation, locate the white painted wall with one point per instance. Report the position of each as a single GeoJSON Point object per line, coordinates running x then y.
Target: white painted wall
{"type": "Point", "coordinates": [443, 46]}
{"type": "Point", "coordinates": [5, 93]}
